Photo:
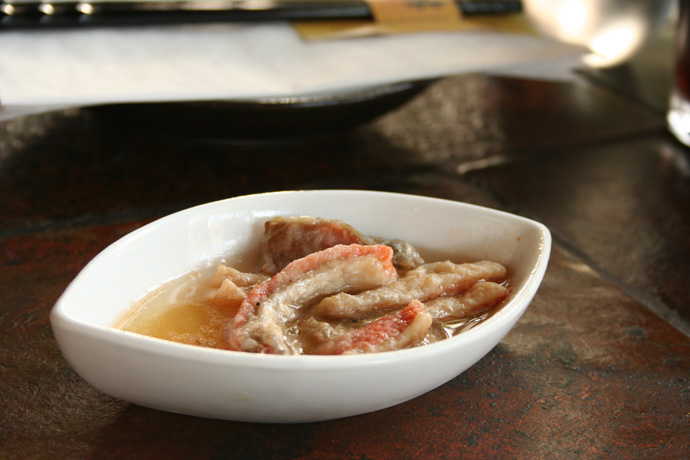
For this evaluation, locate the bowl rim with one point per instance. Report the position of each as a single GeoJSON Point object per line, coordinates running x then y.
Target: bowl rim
{"type": "Point", "coordinates": [61, 320]}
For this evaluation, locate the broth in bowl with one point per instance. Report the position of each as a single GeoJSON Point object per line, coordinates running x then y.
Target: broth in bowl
{"type": "Point", "coordinates": [319, 286]}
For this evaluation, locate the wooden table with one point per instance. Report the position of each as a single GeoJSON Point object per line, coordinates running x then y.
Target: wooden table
{"type": "Point", "coordinates": [598, 367]}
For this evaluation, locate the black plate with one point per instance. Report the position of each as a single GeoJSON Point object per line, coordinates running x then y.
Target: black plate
{"type": "Point", "coordinates": [265, 119]}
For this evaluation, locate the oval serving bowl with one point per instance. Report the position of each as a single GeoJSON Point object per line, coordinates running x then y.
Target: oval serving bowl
{"type": "Point", "coordinates": [268, 388]}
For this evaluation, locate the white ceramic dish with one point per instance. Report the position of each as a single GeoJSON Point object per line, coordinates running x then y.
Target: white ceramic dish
{"type": "Point", "coordinates": [267, 388]}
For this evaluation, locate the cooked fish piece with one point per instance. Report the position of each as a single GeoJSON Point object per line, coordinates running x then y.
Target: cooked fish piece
{"type": "Point", "coordinates": [260, 323]}
{"type": "Point", "coordinates": [423, 283]}
{"type": "Point", "coordinates": [405, 256]}
{"type": "Point", "coordinates": [314, 332]}
{"type": "Point", "coordinates": [229, 297]}
{"type": "Point", "coordinates": [392, 332]}
{"type": "Point", "coordinates": [228, 287]}
{"type": "Point", "coordinates": [480, 297]}
{"type": "Point", "coordinates": [238, 278]}
{"type": "Point", "coordinates": [291, 238]}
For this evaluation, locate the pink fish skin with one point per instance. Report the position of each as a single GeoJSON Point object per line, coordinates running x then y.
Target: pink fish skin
{"type": "Point", "coordinates": [259, 325]}
{"type": "Point", "coordinates": [392, 332]}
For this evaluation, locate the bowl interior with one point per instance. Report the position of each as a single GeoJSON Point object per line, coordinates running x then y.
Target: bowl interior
{"type": "Point", "coordinates": [184, 241]}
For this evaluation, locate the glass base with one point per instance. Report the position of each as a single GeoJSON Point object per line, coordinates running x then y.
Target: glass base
{"type": "Point", "coordinates": [678, 118]}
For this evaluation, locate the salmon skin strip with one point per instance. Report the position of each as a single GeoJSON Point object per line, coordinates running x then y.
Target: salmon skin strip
{"type": "Point", "coordinates": [291, 238]}
{"type": "Point", "coordinates": [393, 332]}
{"type": "Point", "coordinates": [260, 323]}
{"type": "Point", "coordinates": [423, 283]}
{"type": "Point", "coordinates": [479, 298]}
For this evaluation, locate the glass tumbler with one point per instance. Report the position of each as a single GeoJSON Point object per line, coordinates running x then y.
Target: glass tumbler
{"type": "Point", "coordinates": [678, 116]}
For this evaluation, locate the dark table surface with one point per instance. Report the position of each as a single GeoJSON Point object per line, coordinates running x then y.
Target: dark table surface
{"type": "Point", "coordinates": [598, 367]}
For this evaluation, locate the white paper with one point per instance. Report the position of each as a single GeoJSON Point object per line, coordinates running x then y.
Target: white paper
{"type": "Point", "coordinates": [203, 62]}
